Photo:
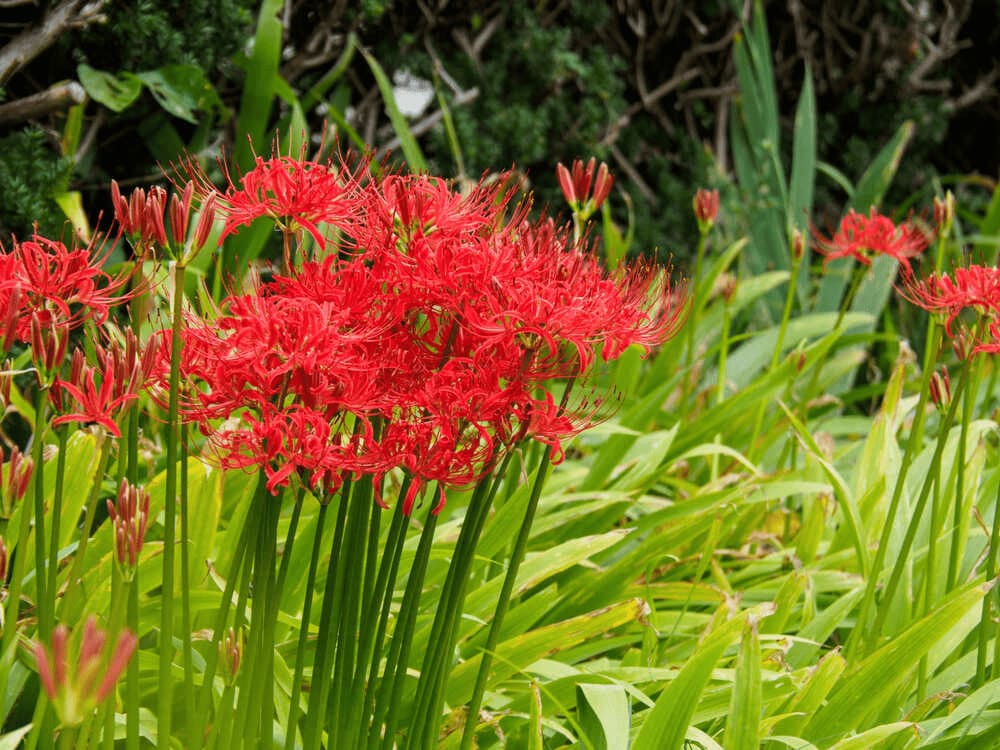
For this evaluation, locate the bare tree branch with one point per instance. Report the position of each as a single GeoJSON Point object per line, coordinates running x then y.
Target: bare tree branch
{"type": "Point", "coordinates": [29, 44]}
{"type": "Point", "coordinates": [53, 99]}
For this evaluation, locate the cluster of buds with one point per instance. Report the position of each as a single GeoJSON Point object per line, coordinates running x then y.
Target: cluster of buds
{"type": "Point", "coordinates": [940, 389]}
{"type": "Point", "coordinates": [77, 686]}
{"type": "Point", "coordinates": [576, 186]}
{"type": "Point", "coordinates": [129, 518]}
{"type": "Point", "coordinates": [706, 209]}
{"type": "Point", "coordinates": [141, 218]}
{"type": "Point", "coordinates": [14, 481]}
{"type": "Point", "coordinates": [49, 340]}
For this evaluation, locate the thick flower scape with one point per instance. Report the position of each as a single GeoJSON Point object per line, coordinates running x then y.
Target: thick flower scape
{"type": "Point", "coordinates": [424, 338]}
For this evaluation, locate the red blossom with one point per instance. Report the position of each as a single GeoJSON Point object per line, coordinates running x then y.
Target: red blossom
{"type": "Point", "coordinates": [706, 208]}
{"type": "Point", "coordinates": [864, 237]}
{"type": "Point", "coordinates": [974, 287]}
{"type": "Point", "coordinates": [295, 193]}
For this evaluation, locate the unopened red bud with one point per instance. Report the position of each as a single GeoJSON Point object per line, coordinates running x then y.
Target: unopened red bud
{"type": "Point", "coordinates": [11, 317]}
{"type": "Point", "coordinates": [566, 183]}
{"type": "Point", "coordinates": [180, 214]}
{"type": "Point", "coordinates": [206, 221]}
{"type": "Point", "coordinates": [602, 186]}
{"type": "Point", "coordinates": [706, 208]}
{"type": "Point", "coordinates": [940, 389]}
{"type": "Point", "coordinates": [944, 212]}
{"type": "Point", "coordinates": [231, 654]}
{"type": "Point", "coordinates": [798, 245]}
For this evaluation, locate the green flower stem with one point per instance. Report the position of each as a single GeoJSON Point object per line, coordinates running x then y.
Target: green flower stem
{"type": "Point", "coordinates": [402, 639]}
{"type": "Point", "coordinates": [503, 603]}
{"type": "Point", "coordinates": [350, 611]}
{"type": "Point", "coordinates": [165, 684]}
{"type": "Point", "coordinates": [957, 540]}
{"type": "Point", "coordinates": [444, 634]}
{"type": "Point", "coordinates": [132, 673]}
{"type": "Point", "coordinates": [286, 550]}
{"type": "Point", "coordinates": [320, 684]}
{"type": "Point", "coordinates": [52, 583]}
{"type": "Point", "coordinates": [248, 538]}
{"type": "Point", "coordinates": [987, 626]}
{"type": "Point", "coordinates": [300, 651]}
{"type": "Point", "coordinates": [380, 604]}
{"type": "Point", "coordinates": [189, 693]}
{"type": "Point", "coordinates": [911, 530]}
{"type": "Point", "coordinates": [132, 615]}
{"type": "Point", "coordinates": [71, 602]}
{"type": "Point", "coordinates": [45, 619]}
{"type": "Point", "coordinates": [698, 302]}
{"type": "Point", "coordinates": [258, 679]}
{"type": "Point", "coordinates": [67, 738]}
{"type": "Point", "coordinates": [858, 639]}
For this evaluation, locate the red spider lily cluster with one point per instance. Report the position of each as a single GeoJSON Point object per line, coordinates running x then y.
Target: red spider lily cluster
{"type": "Point", "coordinates": [865, 237]}
{"type": "Point", "coordinates": [424, 339]}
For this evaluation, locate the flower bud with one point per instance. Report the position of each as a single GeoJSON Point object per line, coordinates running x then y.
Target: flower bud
{"type": "Point", "coordinates": [76, 687]}
{"type": "Point", "coordinates": [940, 389]}
{"type": "Point", "coordinates": [798, 245]}
{"type": "Point", "coordinates": [706, 209]}
{"type": "Point", "coordinates": [230, 655]}
{"type": "Point", "coordinates": [944, 213]}
{"type": "Point", "coordinates": [129, 518]}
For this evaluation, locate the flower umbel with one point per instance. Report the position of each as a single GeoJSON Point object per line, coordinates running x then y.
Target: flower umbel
{"type": "Point", "coordinates": [864, 237]}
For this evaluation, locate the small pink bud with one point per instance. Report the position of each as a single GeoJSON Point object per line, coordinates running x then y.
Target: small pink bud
{"type": "Point", "coordinates": [798, 245]}
{"type": "Point", "coordinates": [940, 389]}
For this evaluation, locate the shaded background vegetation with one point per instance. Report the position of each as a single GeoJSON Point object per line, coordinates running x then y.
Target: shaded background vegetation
{"type": "Point", "coordinates": [646, 86]}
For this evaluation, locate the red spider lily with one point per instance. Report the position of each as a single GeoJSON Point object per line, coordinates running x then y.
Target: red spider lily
{"type": "Point", "coordinates": [975, 287]}
{"type": "Point", "coordinates": [43, 277]}
{"type": "Point", "coordinates": [863, 237]}
{"type": "Point", "coordinates": [296, 194]}
{"type": "Point", "coordinates": [140, 216]}
{"type": "Point", "coordinates": [418, 345]}
{"type": "Point", "coordinates": [76, 689]}
{"type": "Point", "coordinates": [576, 185]}
{"type": "Point", "coordinates": [97, 404]}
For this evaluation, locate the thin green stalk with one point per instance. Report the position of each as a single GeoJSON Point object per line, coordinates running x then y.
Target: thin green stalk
{"type": "Point", "coordinates": [858, 639]}
{"type": "Point", "coordinates": [189, 709]}
{"type": "Point", "coordinates": [286, 550]}
{"type": "Point", "coordinates": [132, 615]}
{"type": "Point", "coordinates": [930, 582]}
{"type": "Point", "coordinates": [165, 685]}
{"type": "Point", "coordinates": [902, 557]}
{"type": "Point", "coordinates": [987, 625]}
{"type": "Point", "coordinates": [350, 611]}
{"type": "Point", "coordinates": [300, 651]}
{"type": "Point", "coordinates": [37, 445]}
{"type": "Point", "coordinates": [402, 637]}
{"type": "Point", "coordinates": [320, 683]}
{"type": "Point", "coordinates": [380, 604]}
{"type": "Point", "coordinates": [493, 638]}
{"type": "Point", "coordinates": [444, 635]}
{"type": "Point", "coordinates": [69, 604]}
{"type": "Point", "coordinates": [52, 584]}
{"type": "Point", "coordinates": [237, 568]}
{"type": "Point", "coordinates": [698, 302]}
{"type": "Point", "coordinates": [968, 404]}
{"type": "Point", "coordinates": [253, 712]}
{"type": "Point", "coordinates": [67, 738]}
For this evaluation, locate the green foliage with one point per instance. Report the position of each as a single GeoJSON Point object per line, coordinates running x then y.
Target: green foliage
{"type": "Point", "coordinates": [150, 33]}
{"type": "Point", "coordinates": [30, 173]}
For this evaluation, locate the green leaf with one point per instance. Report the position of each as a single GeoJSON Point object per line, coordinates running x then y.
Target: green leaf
{"type": "Point", "coordinates": [871, 686]}
{"type": "Point", "coordinates": [181, 90]}
{"type": "Point", "coordinates": [411, 151]}
{"type": "Point", "coordinates": [665, 725]}
{"type": "Point", "coordinates": [605, 715]}
{"type": "Point", "coordinates": [873, 736]}
{"type": "Point", "coordinates": [114, 92]}
{"type": "Point", "coordinates": [743, 721]}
